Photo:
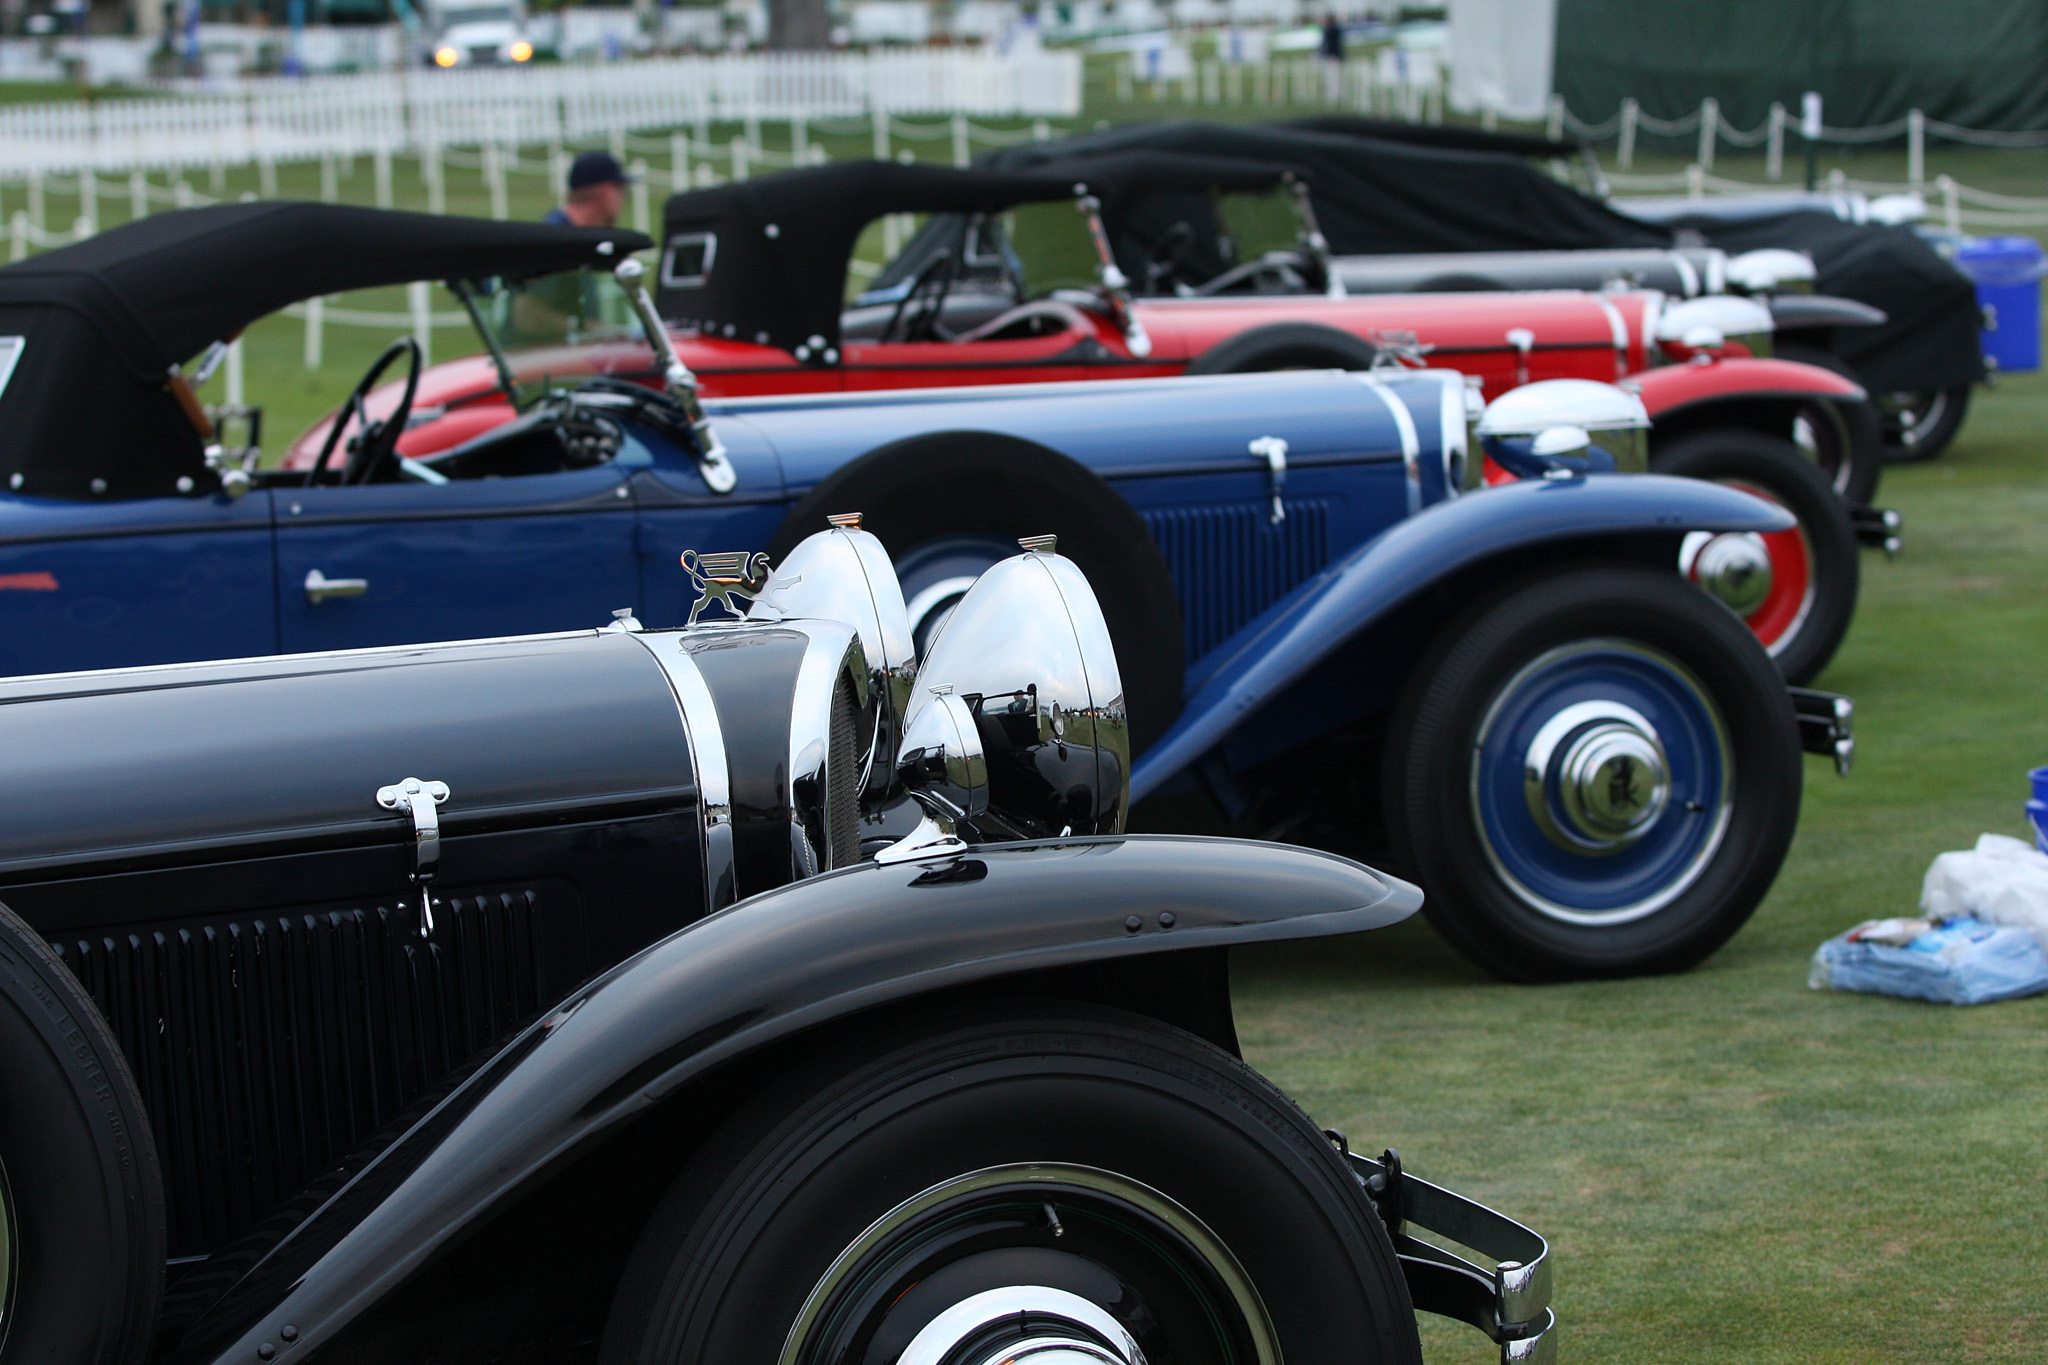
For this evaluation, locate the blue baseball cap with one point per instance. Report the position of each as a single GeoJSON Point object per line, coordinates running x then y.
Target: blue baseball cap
{"type": "Point", "coordinates": [597, 168]}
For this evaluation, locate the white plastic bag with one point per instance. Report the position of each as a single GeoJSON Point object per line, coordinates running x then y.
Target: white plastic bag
{"type": "Point", "coordinates": [1962, 961]}
{"type": "Point", "coordinates": [2001, 881]}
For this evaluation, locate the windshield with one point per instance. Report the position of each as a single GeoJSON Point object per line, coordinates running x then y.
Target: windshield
{"type": "Point", "coordinates": [569, 308]}
{"type": "Point", "coordinates": [479, 14]}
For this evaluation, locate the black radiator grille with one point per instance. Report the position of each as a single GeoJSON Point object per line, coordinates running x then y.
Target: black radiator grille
{"type": "Point", "coordinates": [268, 1047]}
{"type": "Point", "coordinates": [1231, 563]}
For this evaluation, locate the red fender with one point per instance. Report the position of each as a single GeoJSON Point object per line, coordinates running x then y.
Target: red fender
{"type": "Point", "coordinates": [1671, 387]}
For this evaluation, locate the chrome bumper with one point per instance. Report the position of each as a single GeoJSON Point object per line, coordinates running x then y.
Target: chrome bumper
{"type": "Point", "coordinates": [1510, 1303]}
{"type": "Point", "coordinates": [1827, 725]}
{"type": "Point", "coordinates": [1880, 528]}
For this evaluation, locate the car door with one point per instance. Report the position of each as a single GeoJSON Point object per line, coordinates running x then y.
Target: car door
{"type": "Point", "coordinates": [140, 581]}
{"type": "Point", "coordinates": [396, 563]}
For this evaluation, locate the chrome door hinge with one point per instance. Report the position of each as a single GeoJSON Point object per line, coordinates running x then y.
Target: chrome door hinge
{"type": "Point", "coordinates": [420, 800]}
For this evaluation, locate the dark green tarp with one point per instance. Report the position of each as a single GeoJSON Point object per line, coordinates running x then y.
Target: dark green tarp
{"type": "Point", "coordinates": [1974, 63]}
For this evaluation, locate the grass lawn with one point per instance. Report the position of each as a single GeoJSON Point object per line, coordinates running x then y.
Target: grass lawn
{"type": "Point", "coordinates": [1732, 1167]}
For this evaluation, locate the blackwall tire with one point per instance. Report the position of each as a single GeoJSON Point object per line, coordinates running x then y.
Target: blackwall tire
{"type": "Point", "coordinates": [1816, 567]}
{"type": "Point", "coordinates": [1920, 424]}
{"type": "Point", "coordinates": [986, 490]}
{"type": "Point", "coordinates": [84, 1204]}
{"type": "Point", "coordinates": [1096, 1153]}
{"type": "Point", "coordinates": [1532, 887]}
{"type": "Point", "coordinates": [1286, 346]}
{"type": "Point", "coordinates": [1847, 439]}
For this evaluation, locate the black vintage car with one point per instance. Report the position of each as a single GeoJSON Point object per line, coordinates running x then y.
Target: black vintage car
{"type": "Point", "coordinates": [732, 993]}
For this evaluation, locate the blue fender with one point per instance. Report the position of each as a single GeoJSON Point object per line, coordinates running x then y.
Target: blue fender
{"type": "Point", "coordinates": [1300, 630]}
{"type": "Point", "coordinates": [787, 960]}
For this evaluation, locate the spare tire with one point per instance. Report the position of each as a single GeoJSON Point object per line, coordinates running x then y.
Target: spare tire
{"type": "Point", "coordinates": [81, 1198]}
{"type": "Point", "coordinates": [1286, 346]}
{"type": "Point", "coordinates": [952, 503]}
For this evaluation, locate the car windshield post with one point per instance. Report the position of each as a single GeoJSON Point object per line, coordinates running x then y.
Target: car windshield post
{"type": "Point", "coordinates": [1116, 286]}
{"type": "Point", "coordinates": [1313, 244]}
{"type": "Point", "coordinates": [465, 290]}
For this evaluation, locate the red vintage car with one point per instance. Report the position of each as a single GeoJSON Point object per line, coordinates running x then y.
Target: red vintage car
{"type": "Point", "coordinates": [753, 278]}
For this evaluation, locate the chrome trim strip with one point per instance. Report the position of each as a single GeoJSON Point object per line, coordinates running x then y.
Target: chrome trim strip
{"type": "Point", "coordinates": [834, 647]}
{"type": "Point", "coordinates": [707, 753]}
{"type": "Point", "coordinates": [1455, 440]}
{"type": "Point", "coordinates": [1411, 444]}
{"type": "Point", "coordinates": [1618, 329]}
{"type": "Point", "coordinates": [1688, 273]}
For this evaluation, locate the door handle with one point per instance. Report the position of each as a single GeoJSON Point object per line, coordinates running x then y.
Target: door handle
{"type": "Point", "coordinates": [319, 587]}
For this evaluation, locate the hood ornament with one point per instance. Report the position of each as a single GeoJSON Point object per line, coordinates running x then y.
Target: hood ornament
{"type": "Point", "coordinates": [724, 575]}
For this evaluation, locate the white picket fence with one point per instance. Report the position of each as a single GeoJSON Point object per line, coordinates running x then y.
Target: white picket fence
{"type": "Point", "coordinates": [278, 120]}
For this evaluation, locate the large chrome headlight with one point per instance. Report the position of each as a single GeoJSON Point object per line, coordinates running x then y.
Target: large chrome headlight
{"type": "Point", "coordinates": [1772, 270]}
{"type": "Point", "coordinates": [1683, 328]}
{"type": "Point", "coordinates": [1017, 727]}
{"type": "Point", "coordinates": [845, 575]}
{"type": "Point", "coordinates": [1613, 420]}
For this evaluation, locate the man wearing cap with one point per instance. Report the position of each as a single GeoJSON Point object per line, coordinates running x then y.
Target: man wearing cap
{"type": "Point", "coordinates": [597, 192]}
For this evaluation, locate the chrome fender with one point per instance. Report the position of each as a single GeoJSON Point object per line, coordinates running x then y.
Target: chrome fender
{"type": "Point", "coordinates": [786, 960]}
{"type": "Point", "coordinates": [1300, 630]}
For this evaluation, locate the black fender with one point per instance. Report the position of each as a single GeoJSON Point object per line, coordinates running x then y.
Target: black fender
{"type": "Point", "coordinates": [1296, 633]}
{"type": "Point", "coordinates": [758, 972]}
{"type": "Point", "coordinates": [1810, 312]}
{"type": "Point", "coordinates": [1286, 345]}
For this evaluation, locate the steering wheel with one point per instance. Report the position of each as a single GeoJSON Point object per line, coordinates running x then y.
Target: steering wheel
{"type": "Point", "coordinates": [926, 325]}
{"type": "Point", "coordinates": [375, 448]}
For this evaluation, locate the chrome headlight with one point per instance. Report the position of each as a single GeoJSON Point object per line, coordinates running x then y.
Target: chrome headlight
{"type": "Point", "coordinates": [1681, 327]}
{"type": "Point", "coordinates": [1017, 727]}
{"type": "Point", "coordinates": [1772, 270]}
{"type": "Point", "coordinates": [845, 575]}
{"type": "Point", "coordinates": [1613, 420]}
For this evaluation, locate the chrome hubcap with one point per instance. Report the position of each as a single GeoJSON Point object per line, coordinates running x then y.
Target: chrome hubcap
{"type": "Point", "coordinates": [1019, 1323]}
{"type": "Point", "coordinates": [1596, 777]}
{"type": "Point", "coordinates": [1733, 568]}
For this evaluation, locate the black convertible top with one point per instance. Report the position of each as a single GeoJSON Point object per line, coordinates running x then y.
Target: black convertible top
{"type": "Point", "coordinates": [87, 413]}
{"type": "Point", "coordinates": [774, 269]}
{"type": "Point", "coordinates": [1434, 192]}
{"type": "Point", "coordinates": [1457, 136]}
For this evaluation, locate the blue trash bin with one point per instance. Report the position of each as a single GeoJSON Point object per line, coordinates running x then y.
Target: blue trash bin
{"type": "Point", "coordinates": [2007, 273]}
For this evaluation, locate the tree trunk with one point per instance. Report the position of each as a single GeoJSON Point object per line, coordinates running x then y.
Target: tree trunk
{"type": "Point", "coordinates": [798, 24]}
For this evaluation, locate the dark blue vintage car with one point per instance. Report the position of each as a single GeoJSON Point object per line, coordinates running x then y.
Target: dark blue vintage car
{"type": "Point", "coordinates": [1590, 765]}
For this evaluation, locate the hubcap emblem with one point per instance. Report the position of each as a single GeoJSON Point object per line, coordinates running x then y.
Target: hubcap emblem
{"type": "Point", "coordinates": [1596, 777]}
{"type": "Point", "coordinates": [1733, 568]}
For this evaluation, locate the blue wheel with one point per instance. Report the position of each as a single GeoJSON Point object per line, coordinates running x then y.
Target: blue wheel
{"type": "Point", "coordinates": [1596, 774]}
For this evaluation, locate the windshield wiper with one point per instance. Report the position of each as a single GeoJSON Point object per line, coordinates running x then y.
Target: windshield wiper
{"type": "Point", "coordinates": [461, 290]}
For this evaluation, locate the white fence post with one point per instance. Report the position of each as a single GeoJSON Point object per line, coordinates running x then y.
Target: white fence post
{"type": "Point", "coordinates": [217, 175]}
{"type": "Point", "coordinates": [20, 234]}
{"type": "Point", "coordinates": [494, 181]}
{"type": "Point", "coordinates": [1695, 181]}
{"type": "Point", "coordinates": [799, 140]}
{"type": "Point", "coordinates": [233, 377]}
{"type": "Point", "coordinates": [1555, 127]}
{"type": "Point", "coordinates": [739, 158]}
{"type": "Point", "coordinates": [266, 175]}
{"type": "Point", "coordinates": [422, 319]}
{"type": "Point", "coordinates": [678, 162]}
{"type": "Point", "coordinates": [88, 203]}
{"type": "Point", "coordinates": [1041, 131]}
{"type": "Point", "coordinates": [641, 220]}
{"type": "Point", "coordinates": [1774, 147]}
{"type": "Point", "coordinates": [36, 214]}
{"type": "Point", "coordinates": [316, 311]}
{"type": "Point", "coordinates": [383, 175]}
{"type": "Point", "coordinates": [138, 194]}
{"type": "Point", "coordinates": [181, 193]}
{"type": "Point", "coordinates": [436, 178]}
{"type": "Point", "coordinates": [961, 155]}
{"type": "Point", "coordinates": [330, 180]}
{"type": "Point", "coordinates": [1916, 148]}
{"type": "Point", "coordinates": [1710, 122]}
{"type": "Point", "coordinates": [1625, 151]}
{"type": "Point", "coordinates": [880, 118]}
{"type": "Point", "coordinates": [1951, 206]}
